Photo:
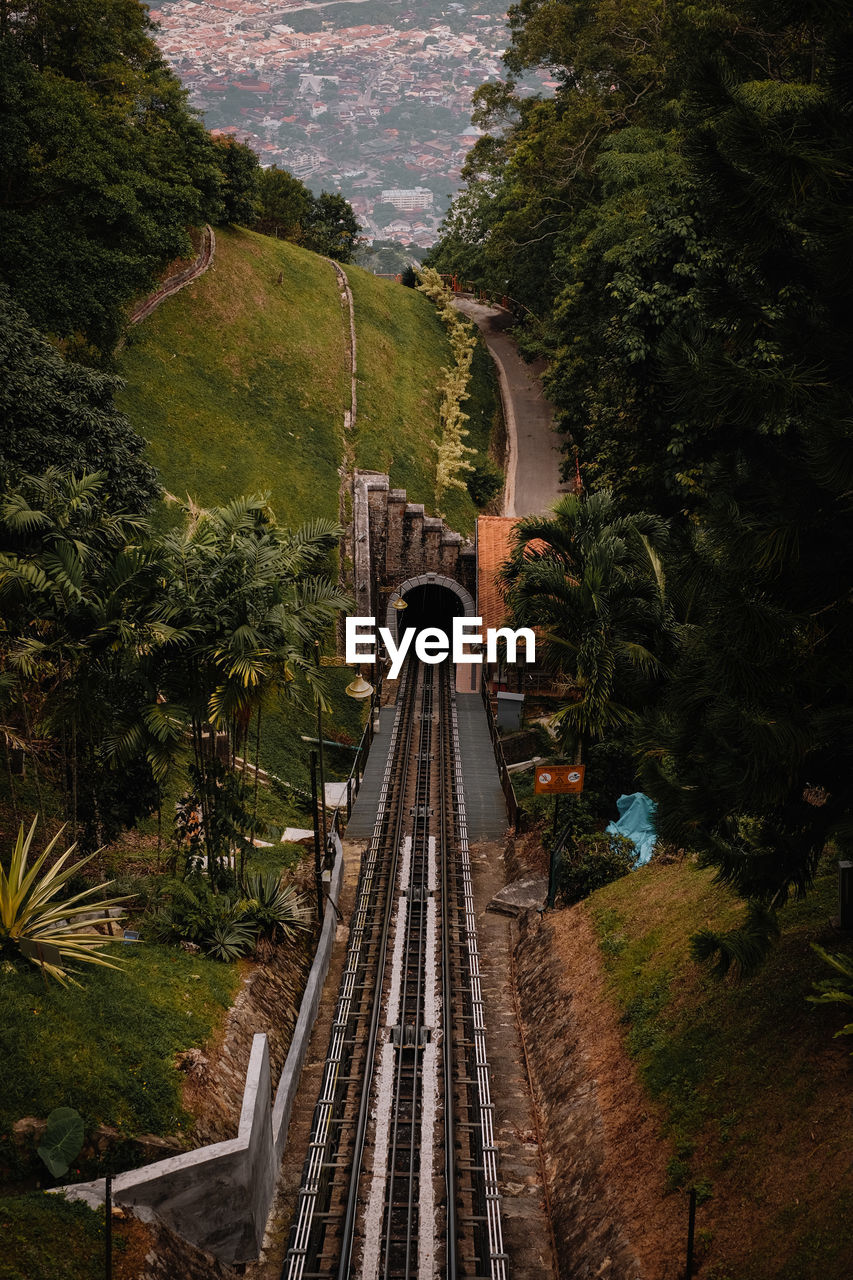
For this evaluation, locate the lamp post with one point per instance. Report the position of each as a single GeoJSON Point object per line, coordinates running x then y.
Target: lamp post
{"type": "Point", "coordinates": [320, 756]}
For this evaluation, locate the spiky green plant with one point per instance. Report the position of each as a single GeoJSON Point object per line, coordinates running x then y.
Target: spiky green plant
{"type": "Point", "coordinates": [31, 911]}
{"type": "Point", "coordinates": [837, 989]}
{"type": "Point", "coordinates": [229, 940]}
{"type": "Point", "coordinates": [273, 907]}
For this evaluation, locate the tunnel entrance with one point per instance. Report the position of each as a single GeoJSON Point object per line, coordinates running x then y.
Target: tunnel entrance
{"type": "Point", "coordinates": [432, 600]}
{"type": "Point", "coordinates": [430, 606]}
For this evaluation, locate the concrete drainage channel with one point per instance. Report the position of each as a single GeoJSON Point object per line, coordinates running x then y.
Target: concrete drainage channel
{"type": "Point", "coordinates": [219, 1196]}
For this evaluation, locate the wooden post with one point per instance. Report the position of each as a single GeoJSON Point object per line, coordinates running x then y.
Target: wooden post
{"type": "Point", "coordinates": [691, 1228]}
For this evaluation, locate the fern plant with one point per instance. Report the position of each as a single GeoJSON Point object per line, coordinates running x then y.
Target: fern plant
{"type": "Point", "coordinates": [837, 989]}
{"type": "Point", "coordinates": [31, 911]}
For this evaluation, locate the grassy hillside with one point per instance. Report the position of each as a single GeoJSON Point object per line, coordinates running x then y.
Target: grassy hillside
{"type": "Point", "coordinates": [239, 382]}
{"type": "Point", "coordinates": [756, 1090]}
{"type": "Point", "coordinates": [106, 1047]}
{"type": "Point", "coordinates": [402, 348]}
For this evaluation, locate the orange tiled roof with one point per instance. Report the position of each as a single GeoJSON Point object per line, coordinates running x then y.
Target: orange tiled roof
{"type": "Point", "coordinates": [494, 542]}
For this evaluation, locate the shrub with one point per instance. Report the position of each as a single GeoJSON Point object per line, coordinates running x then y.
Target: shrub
{"type": "Point", "coordinates": [31, 911]}
{"type": "Point", "coordinates": [484, 482]}
{"type": "Point", "coordinates": [225, 925]}
{"type": "Point", "coordinates": [594, 861]}
{"type": "Point", "coordinates": [271, 908]}
{"type": "Point", "coordinates": [837, 989]}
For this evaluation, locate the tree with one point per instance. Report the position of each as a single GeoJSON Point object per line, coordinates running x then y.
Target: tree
{"type": "Point", "coordinates": [750, 751]}
{"type": "Point", "coordinates": [245, 603]}
{"type": "Point", "coordinates": [283, 205]}
{"type": "Point", "coordinates": [591, 581]}
{"type": "Point", "coordinates": [241, 180]}
{"type": "Point", "coordinates": [287, 208]}
{"type": "Point", "coordinates": [59, 415]}
{"type": "Point", "coordinates": [104, 165]}
{"type": "Point", "coordinates": [76, 587]}
{"type": "Point", "coordinates": [332, 227]}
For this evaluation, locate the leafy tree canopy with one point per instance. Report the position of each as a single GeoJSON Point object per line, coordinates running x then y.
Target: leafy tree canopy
{"type": "Point", "coordinates": [104, 165]}
{"type": "Point", "coordinates": [287, 208]}
{"type": "Point", "coordinates": [57, 413]}
{"type": "Point", "coordinates": [678, 218]}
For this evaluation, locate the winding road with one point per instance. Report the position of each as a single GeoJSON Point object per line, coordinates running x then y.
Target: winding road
{"type": "Point", "coordinates": [533, 481]}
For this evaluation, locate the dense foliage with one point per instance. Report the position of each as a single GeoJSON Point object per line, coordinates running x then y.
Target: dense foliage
{"type": "Point", "coordinates": [104, 166]}
{"type": "Point", "coordinates": [122, 651]}
{"type": "Point", "coordinates": [678, 218]}
{"type": "Point", "coordinates": [286, 208]}
{"type": "Point", "coordinates": [57, 413]}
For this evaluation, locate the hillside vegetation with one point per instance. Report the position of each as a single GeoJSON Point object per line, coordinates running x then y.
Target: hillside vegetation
{"type": "Point", "coordinates": [240, 382]}
{"type": "Point", "coordinates": [753, 1087]}
{"type": "Point", "coordinates": [402, 353]}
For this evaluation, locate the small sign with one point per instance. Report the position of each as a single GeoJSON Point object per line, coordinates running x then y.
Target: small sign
{"type": "Point", "coordinates": [559, 779]}
{"type": "Point", "coordinates": [41, 952]}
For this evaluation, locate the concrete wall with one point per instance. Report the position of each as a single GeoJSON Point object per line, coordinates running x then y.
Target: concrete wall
{"type": "Point", "coordinates": [219, 1197]}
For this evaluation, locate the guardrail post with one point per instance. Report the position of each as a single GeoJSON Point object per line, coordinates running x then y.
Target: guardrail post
{"type": "Point", "coordinates": [691, 1228]}
{"type": "Point", "coordinates": [108, 1225]}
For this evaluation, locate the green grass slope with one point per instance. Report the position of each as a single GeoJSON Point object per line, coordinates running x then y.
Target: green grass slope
{"type": "Point", "coordinates": [755, 1088]}
{"type": "Point", "coordinates": [402, 349]}
{"type": "Point", "coordinates": [239, 382]}
{"type": "Point", "coordinates": [106, 1047]}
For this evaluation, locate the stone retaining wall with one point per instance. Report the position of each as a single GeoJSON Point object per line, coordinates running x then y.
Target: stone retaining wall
{"type": "Point", "coordinates": [393, 539]}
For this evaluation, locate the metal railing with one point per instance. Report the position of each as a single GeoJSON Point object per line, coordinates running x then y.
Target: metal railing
{"type": "Point", "coordinates": [514, 811]}
{"type": "Point", "coordinates": [337, 822]}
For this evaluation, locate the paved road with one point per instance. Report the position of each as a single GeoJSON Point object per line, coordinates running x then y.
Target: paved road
{"type": "Point", "coordinates": [533, 465]}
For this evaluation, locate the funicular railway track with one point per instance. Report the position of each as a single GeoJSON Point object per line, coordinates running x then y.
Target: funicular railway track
{"type": "Point", "coordinates": [400, 1178]}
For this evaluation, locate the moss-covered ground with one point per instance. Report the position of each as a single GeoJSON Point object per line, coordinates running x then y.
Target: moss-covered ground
{"type": "Point", "coordinates": [755, 1087]}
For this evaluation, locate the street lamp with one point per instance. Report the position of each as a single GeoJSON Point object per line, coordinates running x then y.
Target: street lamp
{"type": "Point", "coordinates": [359, 688]}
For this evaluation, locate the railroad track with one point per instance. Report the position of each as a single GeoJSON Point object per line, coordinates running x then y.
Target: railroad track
{"type": "Point", "coordinates": [400, 1179]}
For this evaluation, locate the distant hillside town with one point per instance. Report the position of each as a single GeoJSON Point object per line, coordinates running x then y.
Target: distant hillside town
{"type": "Point", "coordinates": [379, 111]}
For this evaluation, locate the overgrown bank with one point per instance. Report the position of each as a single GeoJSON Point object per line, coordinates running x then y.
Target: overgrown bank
{"type": "Point", "coordinates": [653, 1078]}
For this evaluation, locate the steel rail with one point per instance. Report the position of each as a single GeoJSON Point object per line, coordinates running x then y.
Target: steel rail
{"type": "Point", "coordinates": [418, 874]}
{"type": "Point", "coordinates": [323, 1122]}
{"type": "Point", "coordinates": [345, 1262]}
{"type": "Point", "coordinates": [445, 832]}
{"type": "Point", "coordinates": [497, 1259]}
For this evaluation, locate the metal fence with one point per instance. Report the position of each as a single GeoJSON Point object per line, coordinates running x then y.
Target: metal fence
{"type": "Point", "coordinates": [514, 812]}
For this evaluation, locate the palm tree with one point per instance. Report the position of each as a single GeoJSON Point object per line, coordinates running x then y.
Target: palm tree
{"type": "Point", "coordinates": [591, 581]}
{"type": "Point", "coordinates": [71, 580]}
{"type": "Point", "coordinates": [246, 602]}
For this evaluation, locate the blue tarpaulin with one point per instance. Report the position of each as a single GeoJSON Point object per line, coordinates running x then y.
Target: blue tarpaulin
{"type": "Point", "coordinates": [636, 821]}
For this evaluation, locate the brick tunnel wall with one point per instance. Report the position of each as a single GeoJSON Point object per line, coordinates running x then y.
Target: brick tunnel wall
{"type": "Point", "coordinates": [392, 539]}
